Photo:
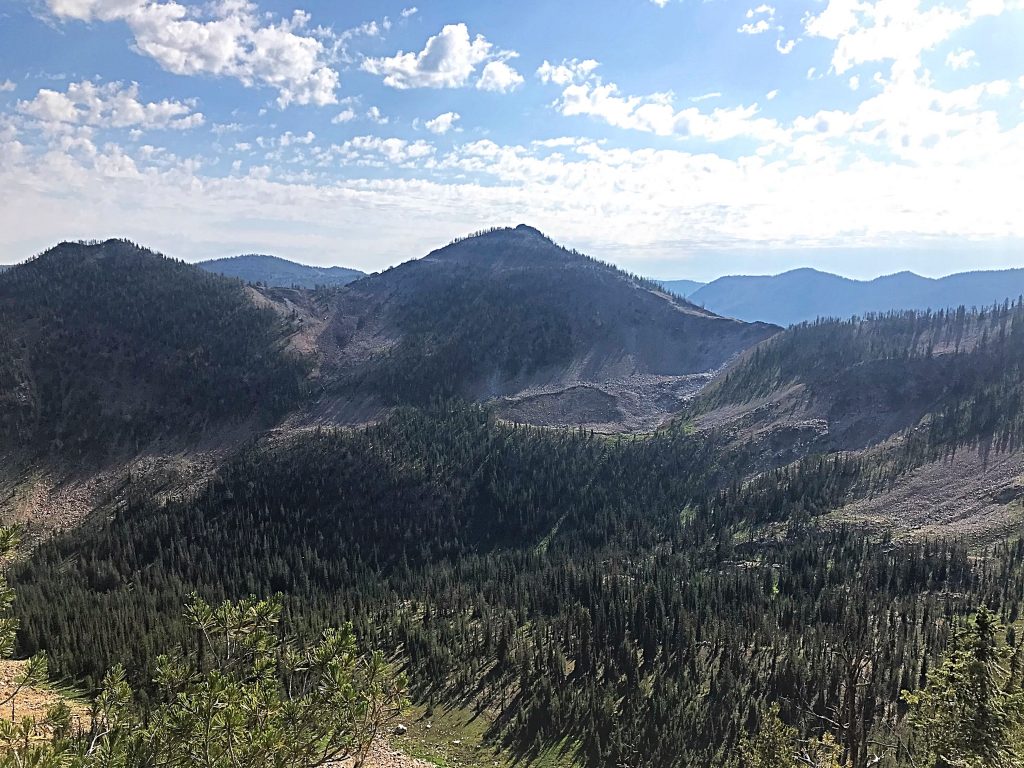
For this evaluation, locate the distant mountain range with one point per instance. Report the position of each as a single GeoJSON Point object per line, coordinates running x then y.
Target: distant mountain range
{"type": "Point", "coordinates": [683, 288]}
{"type": "Point", "coordinates": [280, 273]}
{"type": "Point", "coordinates": [807, 294]}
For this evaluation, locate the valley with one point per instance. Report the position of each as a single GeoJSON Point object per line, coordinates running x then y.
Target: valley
{"type": "Point", "coordinates": [593, 523]}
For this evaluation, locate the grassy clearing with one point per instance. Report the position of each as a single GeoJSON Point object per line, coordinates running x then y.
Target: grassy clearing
{"type": "Point", "coordinates": [457, 737]}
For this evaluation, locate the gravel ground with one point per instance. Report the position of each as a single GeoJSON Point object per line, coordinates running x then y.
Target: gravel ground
{"type": "Point", "coordinates": [969, 496]}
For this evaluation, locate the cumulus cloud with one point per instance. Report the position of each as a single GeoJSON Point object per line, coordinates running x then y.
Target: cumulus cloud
{"type": "Point", "coordinates": [785, 48]}
{"type": "Point", "coordinates": [449, 59]}
{"type": "Point", "coordinates": [373, 150]}
{"type": "Point", "coordinates": [655, 201]}
{"type": "Point", "coordinates": [7, 86]}
{"type": "Point", "coordinates": [374, 114]}
{"type": "Point", "coordinates": [891, 30]}
{"type": "Point", "coordinates": [229, 38]}
{"type": "Point", "coordinates": [110, 105]}
{"type": "Point", "coordinates": [346, 115]}
{"type": "Point", "coordinates": [443, 123]}
{"type": "Point", "coordinates": [288, 138]}
{"type": "Point", "coordinates": [759, 20]}
{"type": "Point", "coordinates": [499, 76]}
{"type": "Point", "coordinates": [585, 93]}
{"type": "Point", "coordinates": [568, 71]}
{"type": "Point", "coordinates": [960, 59]}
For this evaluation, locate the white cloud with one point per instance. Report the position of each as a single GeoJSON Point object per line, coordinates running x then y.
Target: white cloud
{"type": "Point", "coordinates": [372, 150]}
{"type": "Point", "coordinates": [230, 38]}
{"type": "Point", "coordinates": [288, 138]}
{"type": "Point", "coordinates": [448, 60]}
{"type": "Point", "coordinates": [892, 169]}
{"type": "Point", "coordinates": [912, 121]}
{"type": "Point", "coordinates": [110, 105]}
{"type": "Point", "coordinates": [661, 202]}
{"type": "Point", "coordinates": [785, 48]}
{"type": "Point", "coordinates": [757, 28]}
{"type": "Point", "coordinates": [960, 59]}
{"type": "Point", "coordinates": [566, 72]}
{"type": "Point", "coordinates": [706, 97]}
{"type": "Point", "coordinates": [891, 30]}
{"type": "Point", "coordinates": [585, 93]}
{"type": "Point", "coordinates": [374, 114]}
{"type": "Point", "coordinates": [499, 76]}
{"type": "Point", "coordinates": [761, 25]}
{"type": "Point", "coordinates": [442, 123]}
{"type": "Point", "coordinates": [854, 83]}
{"type": "Point", "coordinates": [222, 128]}
{"type": "Point", "coordinates": [407, 12]}
{"type": "Point", "coordinates": [7, 86]}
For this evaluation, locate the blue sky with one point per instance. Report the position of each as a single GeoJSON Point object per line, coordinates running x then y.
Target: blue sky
{"type": "Point", "coordinates": [676, 138]}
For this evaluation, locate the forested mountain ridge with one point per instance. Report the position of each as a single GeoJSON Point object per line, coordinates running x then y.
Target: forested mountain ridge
{"type": "Point", "coordinates": [803, 295]}
{"type": "Point", "coordinates": [276, 272]}
{"type": "Point", "coordinates": [922, 413]}
{"type": "Point", "coordinates": [552, 336]}
{"type": "Point", "coordinates": [121, 366]}
{"type": "Point", "coordinates": [867, 379]}
{"type": "Point", "coordinates": [109, 343]}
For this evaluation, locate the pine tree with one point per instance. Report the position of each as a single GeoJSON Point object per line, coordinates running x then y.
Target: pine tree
{"type": "Point", "coordinates": [966, 715]}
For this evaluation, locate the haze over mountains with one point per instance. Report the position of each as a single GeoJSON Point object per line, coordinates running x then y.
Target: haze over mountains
{"type": "Point", "coordinates": [806, 294]}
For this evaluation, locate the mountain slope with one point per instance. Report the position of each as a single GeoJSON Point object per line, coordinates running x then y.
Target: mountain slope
{"type": "Point", "coordinates": [550, 335]}
{"type": "Point", "coordinates": [807, 294]}
{"type": "Point", "coordinates": [111, 344]}
{"type": "Point", "coordinates": [952, 378]}
{"type": "Point", "coordinates": [281, 273]}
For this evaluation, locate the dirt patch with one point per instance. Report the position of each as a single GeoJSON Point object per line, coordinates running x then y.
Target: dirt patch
{"type": "Point", "coordinates": [383, 756]}
{"type": "Point", "coordinates": [34, 702]}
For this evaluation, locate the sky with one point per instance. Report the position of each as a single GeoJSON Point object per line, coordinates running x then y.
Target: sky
{"type": "Point", "coordinates": [675, 138]}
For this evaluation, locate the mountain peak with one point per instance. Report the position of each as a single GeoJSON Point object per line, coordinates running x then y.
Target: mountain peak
{"type": "Point", "coordinates": [518, 246]}
{"type": "Point", "coordinates": [526, 228]}
{"type": "Point", "coordinates": [96, 250]}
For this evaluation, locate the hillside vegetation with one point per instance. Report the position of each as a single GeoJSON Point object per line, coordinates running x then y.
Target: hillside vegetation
{"type": "Point", "coordinates": [108, 344]}
{"type": "Point", "coordinates": [607, 591]}
{"type": "Point", "coordinates": [868, 379]}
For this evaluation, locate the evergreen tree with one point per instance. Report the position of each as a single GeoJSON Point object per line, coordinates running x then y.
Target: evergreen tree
{"type": "Point", "coordinates": [965, 716]}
